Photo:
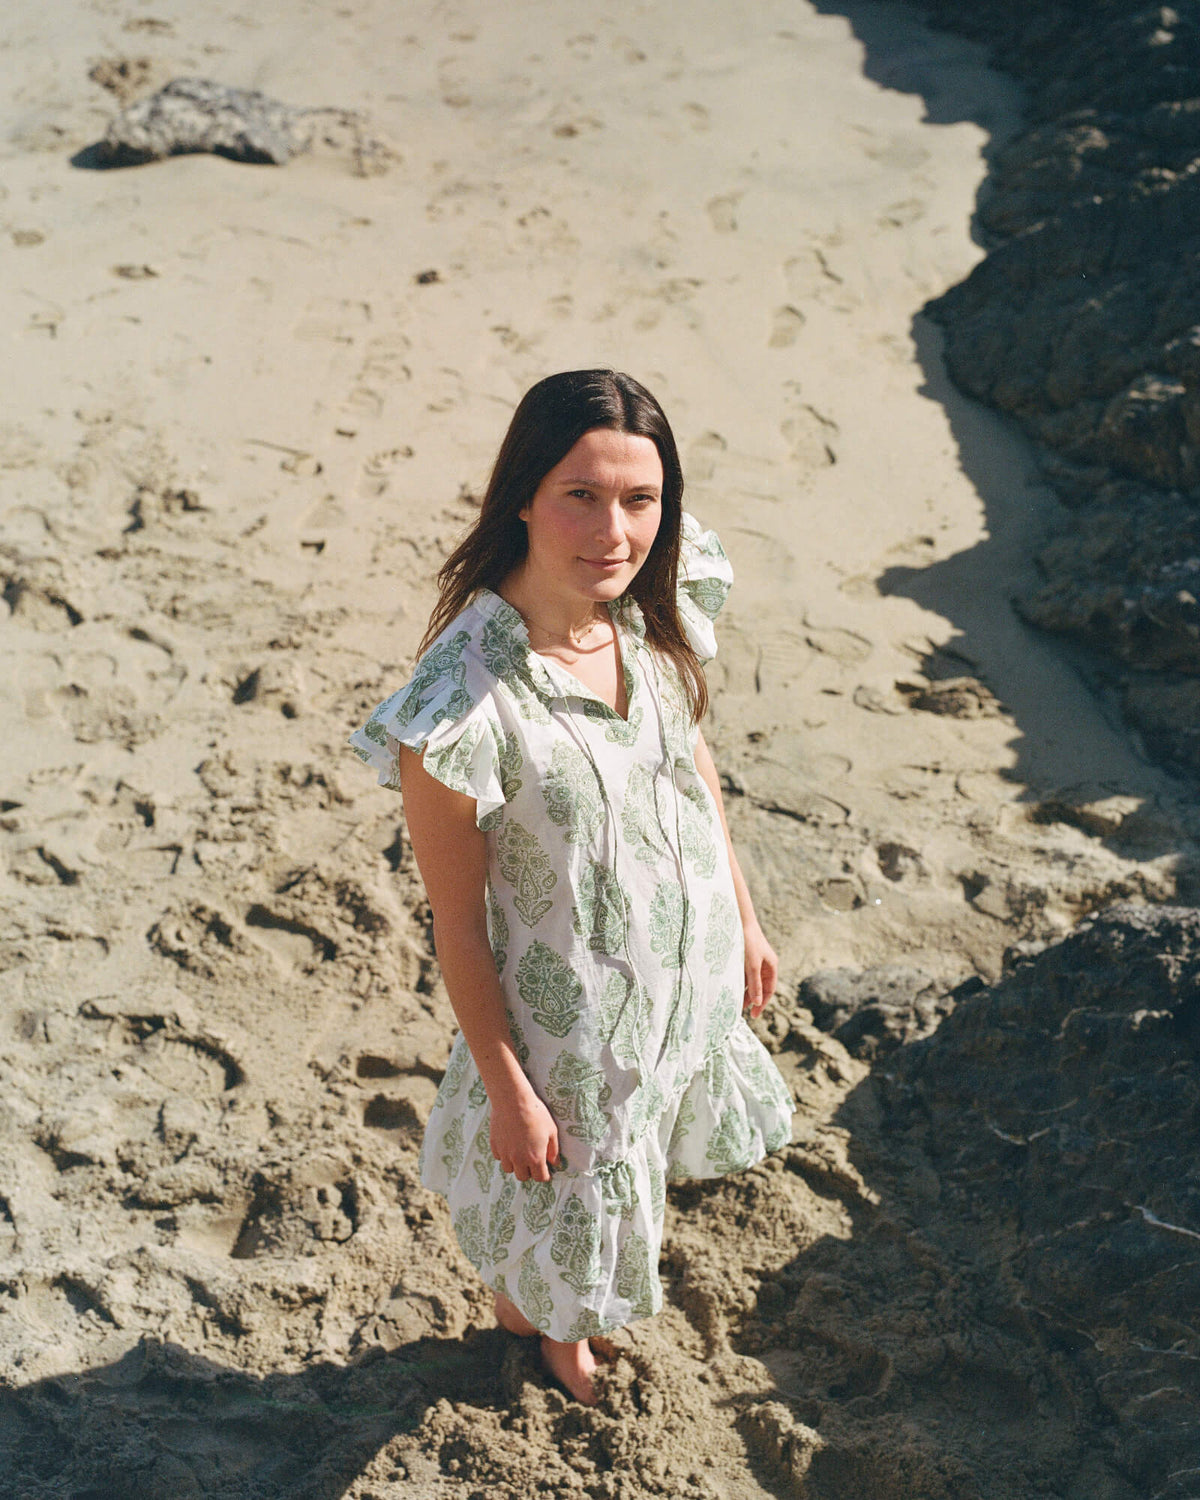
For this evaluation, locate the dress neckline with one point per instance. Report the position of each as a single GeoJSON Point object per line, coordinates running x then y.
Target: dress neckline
{"type": "Point", "coordinates": [627, 640]}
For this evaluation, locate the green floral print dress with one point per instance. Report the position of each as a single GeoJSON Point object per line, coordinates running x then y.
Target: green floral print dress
{"type": "Point", "coordinates": [612, 919]}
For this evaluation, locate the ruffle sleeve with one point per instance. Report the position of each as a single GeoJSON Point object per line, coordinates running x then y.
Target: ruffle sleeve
{"type": "Point", "coordinates": [705, 578]}
{"type": "Point", "coordinates": [442, 712]}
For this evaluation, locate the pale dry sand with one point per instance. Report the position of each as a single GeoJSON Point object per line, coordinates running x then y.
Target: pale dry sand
{"type": "Point", "coordinates": [240, 431]}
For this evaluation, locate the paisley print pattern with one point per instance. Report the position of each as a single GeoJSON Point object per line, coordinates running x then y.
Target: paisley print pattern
{"type": "Point", "coordinates": [615, 933]}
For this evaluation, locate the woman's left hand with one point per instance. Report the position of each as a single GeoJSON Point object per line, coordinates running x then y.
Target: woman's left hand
{"type": "Point", "coordinates": [762, 969]}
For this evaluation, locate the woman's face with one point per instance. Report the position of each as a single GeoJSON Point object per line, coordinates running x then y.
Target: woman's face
{"type": "Point", "coordinates": [594, 517]}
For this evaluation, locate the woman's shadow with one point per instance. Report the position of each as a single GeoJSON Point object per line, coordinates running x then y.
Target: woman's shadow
{"type": "Point", "coordinates": [162, 1423]}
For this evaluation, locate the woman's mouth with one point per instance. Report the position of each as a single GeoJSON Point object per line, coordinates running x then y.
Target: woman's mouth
{"type": "Point", "coordinates": [605, 564]}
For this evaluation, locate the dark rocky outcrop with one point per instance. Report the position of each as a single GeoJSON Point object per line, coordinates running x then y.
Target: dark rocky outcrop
{"type": "Point", "coordinates": [1060, 1111]}
{"type": "Point", "coordinates": [1083, 323]}
{"type": "Point", "coordinates": [872, 1012]}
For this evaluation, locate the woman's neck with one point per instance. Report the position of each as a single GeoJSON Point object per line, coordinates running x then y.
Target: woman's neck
{"type": "Point", "coordinates": [562, 619]}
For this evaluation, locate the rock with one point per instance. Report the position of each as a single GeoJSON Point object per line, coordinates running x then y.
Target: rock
{"type": "Point", "coordinates": [1083, 323]}
{"type": "Point", "coordinates": [875, 1011]}
{"type": "Point", "coordinates": [1105, 812]}
{"type": "Point", "coordinates": [1061, 1111]}
{"type": "Point", "coordinates": [1126, 576]}
{"type": "Point", "coordinates": [1167, 710]}
{"type": "Point", "coordinates": [196, 114]}
{"type": "Point", "coordinates": [953, 697]}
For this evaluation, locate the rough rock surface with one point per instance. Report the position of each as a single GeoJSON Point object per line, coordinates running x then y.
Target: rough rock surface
{"type": "Point", "coordinates": [874, 1011]}
{"type": "Point", "coordinates": [1026, 1207]}
{"type": "Point", "coordinates": [1060, 1112]}
{"type": "Point", "coordinates": [196, 114]}
{"type": "Point", "coordinates": [1083, 323]}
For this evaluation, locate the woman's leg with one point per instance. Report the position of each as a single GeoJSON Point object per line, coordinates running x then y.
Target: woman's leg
{"type": "Point", "coordinates": [510, 1316]}
{"type": "Point", "coordinates": [572, 1364]}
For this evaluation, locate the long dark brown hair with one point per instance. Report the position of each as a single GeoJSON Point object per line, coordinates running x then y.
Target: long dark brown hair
{"type": "Point", "coordinates": [551, 418]}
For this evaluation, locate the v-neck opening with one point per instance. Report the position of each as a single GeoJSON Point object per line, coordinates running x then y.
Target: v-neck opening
{"type": "Point", "coordinates": [582, 690]}
{"type": "Point", "coordinates": [498, 607]}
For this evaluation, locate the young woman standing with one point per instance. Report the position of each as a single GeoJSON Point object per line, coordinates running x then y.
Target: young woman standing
{"type": "Point", "coordinates": [596, 936]}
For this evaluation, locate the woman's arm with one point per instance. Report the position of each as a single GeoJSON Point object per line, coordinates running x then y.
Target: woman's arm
{"type": "Point", "coordinates": [451, 855]}
{"type": "Point", "coordinates": [762, 966]}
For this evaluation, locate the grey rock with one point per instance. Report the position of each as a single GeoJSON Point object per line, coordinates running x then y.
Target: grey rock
{"type": "Point", "coordinates": [195, 114]}
{"type": "Point", "coordinates": [198, 115]}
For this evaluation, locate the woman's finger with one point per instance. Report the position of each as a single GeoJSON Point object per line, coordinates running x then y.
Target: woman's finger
{"type": "Point", "coordinates": [753, 986]}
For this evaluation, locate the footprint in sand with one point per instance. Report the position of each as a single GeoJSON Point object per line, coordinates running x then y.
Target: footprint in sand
{"type": "Point", "coordinates": [814, 275]}
{"type": "Point", "coordinates": [697, 116]}
{"type": "Point", "coordinates": [332, 320]}
{"type": "Point", "coordinates": [362, 404]}
{"type": "Point", "coordinates": [899, 153]}
{"type": "Point", "coordinates": [385, 360]}
{"type": "Point", "coordinates": [919, 550]}
{"type": "Point", "coordinates": [811, 436]}
{"type": "Point", "coordinates": [293, 941]}
{"type": "Point", "coordinates": [384, 366]}
{"type": "Point", "coordinates": [377, 471]}
{"type": "Point", "coordinates": [627, 50]}
{"type": "Point", "coordinates": [828, 1362]}
{"type": "Point", "coordinates": [756, 552]}
{"type": "Point", "coordinates": [783, 659]}
{"type": "Point", "coordinates": [722, 211]}
{"type": "Point", "coordinates": [897, 215]}
{"type": "Point", "coordinates": [19, 449]}
{"type": "Point", "coordinates": [325, 513]}
{"type": "Point", "coordinates": [843, 645]}
{"type": "Point", "coordinates": [38, 603]}
{"type": "Point", "coordinates": [580, 125]}
{"type": "Point", "coordinates": [703, 454]}
{"type": "Point", "coordinates": [785, 327]}
{"type": "Point", "coordinates": [404, 1097]}
{"type": "Point", "coordinates": [898, 862]}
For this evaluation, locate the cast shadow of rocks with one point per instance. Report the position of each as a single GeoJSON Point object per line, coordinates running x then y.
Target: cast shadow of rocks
{"type": "Point", "coordinates": [1011, 1307]}
{"type": "Point", "coordinates": [164, 1423]}
{"type": "Point", "coordinates": [1042, 681]}
{"type": "Point", "coordinates": [903, 53]}
{"type": "Point", "coordinates": [1073, 748]}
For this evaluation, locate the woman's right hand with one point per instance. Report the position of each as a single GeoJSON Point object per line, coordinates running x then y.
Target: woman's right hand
{"type": "Point", "coordinates": [524, 1136]}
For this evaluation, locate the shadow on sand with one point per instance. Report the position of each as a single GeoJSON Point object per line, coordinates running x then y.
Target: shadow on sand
{"type": "Point", "coordinates": [162, 1423]}
{"type": "Point", "coordinates": [1071, 737]}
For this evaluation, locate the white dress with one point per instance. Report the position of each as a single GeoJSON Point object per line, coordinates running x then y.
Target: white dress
{"type": "Point", "coordinates": [612, 918]}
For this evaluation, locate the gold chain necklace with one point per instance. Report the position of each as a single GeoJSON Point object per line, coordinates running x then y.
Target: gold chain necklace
{"type": "Point", "coordinates": [568, 639]}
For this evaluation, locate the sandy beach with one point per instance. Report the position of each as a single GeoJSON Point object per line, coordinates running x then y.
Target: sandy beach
{"type": "Point", "coordinates": [247, 412]}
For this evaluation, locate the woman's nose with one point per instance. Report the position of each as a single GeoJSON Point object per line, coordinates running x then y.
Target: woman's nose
{"type": "Point", "coordinates": [611, 526]}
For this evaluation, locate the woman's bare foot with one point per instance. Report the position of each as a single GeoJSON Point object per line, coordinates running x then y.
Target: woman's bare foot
{"type": "Point", "coordinates": [510, 1316]}
{"type": "Point", "coordinates": [573, 1365]}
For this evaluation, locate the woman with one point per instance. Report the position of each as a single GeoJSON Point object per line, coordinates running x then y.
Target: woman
{"type": "Point", "coordinates": [596, 936]}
